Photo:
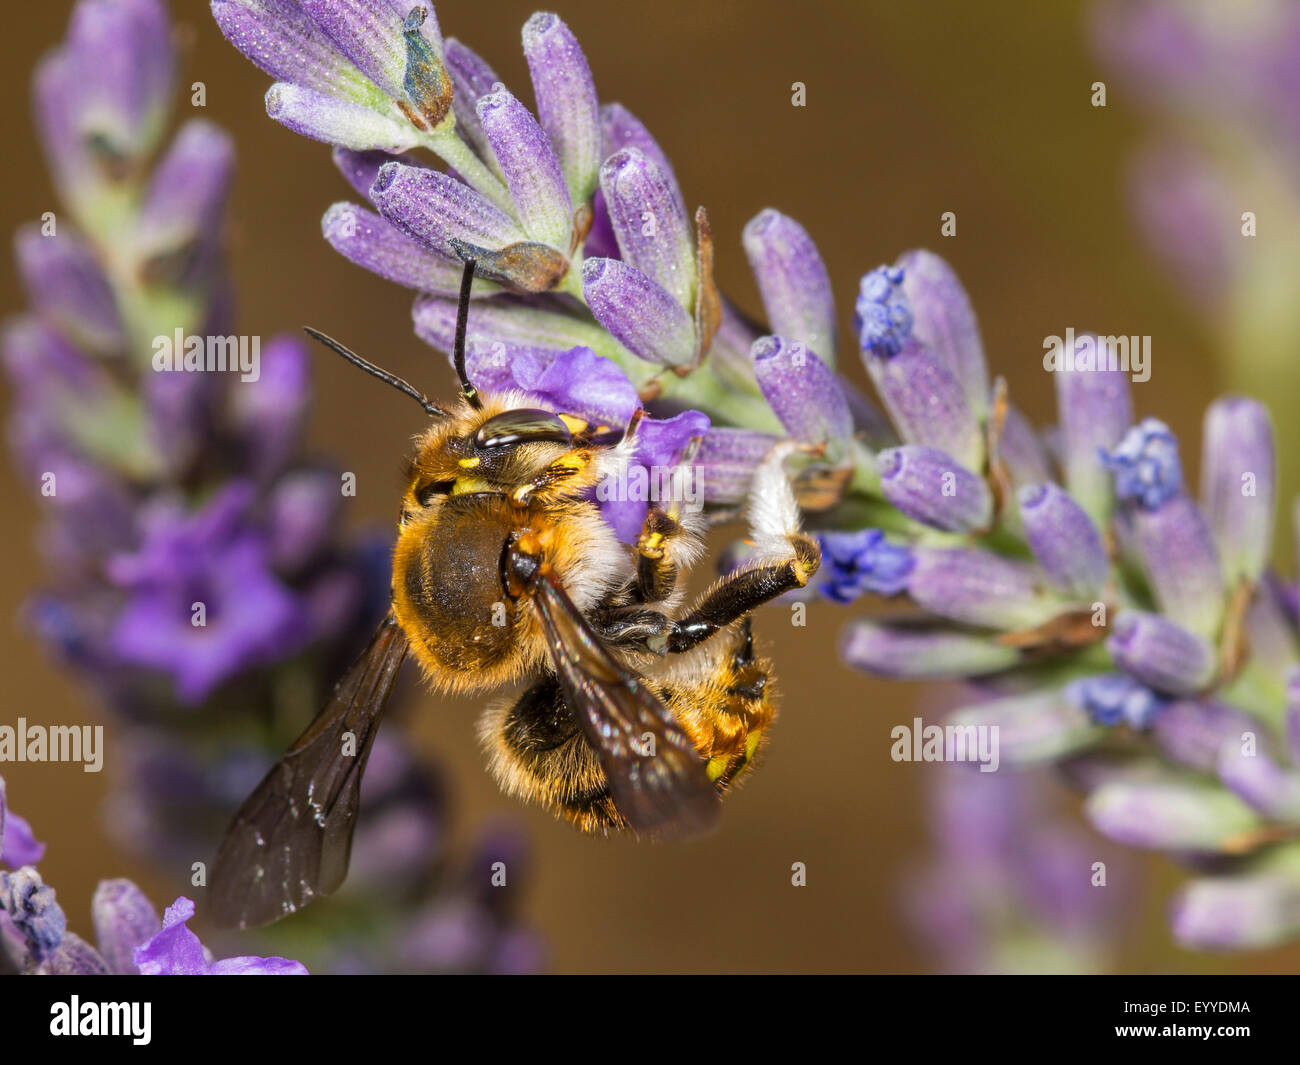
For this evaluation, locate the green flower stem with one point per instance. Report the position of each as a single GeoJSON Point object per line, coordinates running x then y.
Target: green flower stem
{"type": "Point", "coordinates": [447, 145]}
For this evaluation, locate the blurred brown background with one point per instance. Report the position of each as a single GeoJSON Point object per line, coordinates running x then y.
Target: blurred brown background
{"type": "Point", "coordinates": [912, 110]}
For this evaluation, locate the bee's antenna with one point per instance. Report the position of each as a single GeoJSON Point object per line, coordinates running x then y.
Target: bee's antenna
{"type": "Point", "coordinates": [429, 406]}
{"type": "Point", "coordinates": [467, 390]}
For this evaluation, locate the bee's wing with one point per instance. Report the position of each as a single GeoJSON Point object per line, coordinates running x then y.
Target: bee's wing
{"type": "Point", "coordinates": [291, 839]}
{"type": "Point", "coordinates": [665, 793]}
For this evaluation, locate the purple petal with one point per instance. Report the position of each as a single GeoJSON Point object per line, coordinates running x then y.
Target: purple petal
{"type": "Point", "coordinates": [1271, 788]}
{"type": "Point", "coordinates": [1064, 539]}
{"type": "Point", "coordinates": [622, 129]}
{"type": "Point", "coordinates": [977, 587]}
{"type": "Point", "coordinates": [368, 34]}
{"type": "Point", "coordinates": [583, 384]}
{"type": "Point", "coordinates": [125, 67]}
{"type": "Point", "coordinates": [532, 172]}
{"type": "Point", "coordinates": [436, 208]}
{"type": "Point", "coordinates": [1182, 563]}
{"type": "Point", "coordinates": [727, 460]}
{"type": "Point", "coordinates": [943, 320]}
{"type": "Point", "coordinates": [1239, 484]}
{"type": "Point", "coordinates": [638, 312]}
{"type": "Point", "coordinates": [566, 100]}
{"type": "Point", "coordinates": [1095, 409]}
{"type": "Point", "coordinates": [375, 244]}
{"type": "Point", "coordinates": [471, 78]}
{"type": "Point", "coordinates": [926, 403]}
{"type": "Point", "coordinates": [1249, 910]}
{"type": "Point", "coordinates": [55, 93]}
{"type": "Point", "coordinates": [283, 41]}
{"type": "Point", "coordinates": [1193, 732]}
{"type": "Point", "coordinates": [302, 515]}
{"type": "Point", "coordinates": [1177, 196]}
{"type": "Point", "coordinates": [802, 392]}
{"type": "Point", "coordinates": [793, 281]}
{"type": "Point", "coordinates": [188, 190]}
{"type": "Point", "coordinates": [1038, 726]}
{"type": "Point", "coordinates": [922, 652]}
{"type": "Point", "coordinates": [336, 121]}
{"type": "Point", "coordinates": [1021, 451]}
{"type": "Point", "coordinates": [74, 957]}
{"type": "Point", "coordinates": [18, 847]}
{"type": "Point", "coordinates": [1169, 812]}
{"type": "Point", "coordinates": [504, 326]}
{"type": "Point", "coordinates": [930, 486]}
{"type": "Point", "coordinates": [654, 235]}
{"type": "Point", "coordinates": [269, 413]}
{"type": "Point", "coordinates": [18, 844]}
{"type": "Point", "coordinates": [1161, 654]}
{"type": "Point", "coordinates": [64, 281]}
{"type": "Point", "coordinates": [360, 169]}
{"type": "Point", "coordinates": [124, 919]}
{"type": "Point", "coordinates": [174, 950]}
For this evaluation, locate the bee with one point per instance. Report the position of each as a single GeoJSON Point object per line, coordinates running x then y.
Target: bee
{"type": "Point", "coordinates": [637, 713]}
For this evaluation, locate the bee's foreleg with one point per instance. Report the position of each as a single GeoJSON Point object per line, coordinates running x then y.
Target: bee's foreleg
{"type": "Point", "coordinates": [739, 593]}
{"type": "Point", "coordinates": [785, 560]}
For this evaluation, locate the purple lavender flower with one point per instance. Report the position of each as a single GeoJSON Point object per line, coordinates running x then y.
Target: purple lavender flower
{"type": "Point", "coordinates": [176, 951]}
{"type": "Point", "coordinates": [1080, 580]}
{"type": "Point", "coordinates": [1009, 886]}
{"type": "Point", "coordinates": [200, 568]}
{"type": "Point", "coordinates": [18, 845]}
{"type": "Point", "coordinates": [859, 562]}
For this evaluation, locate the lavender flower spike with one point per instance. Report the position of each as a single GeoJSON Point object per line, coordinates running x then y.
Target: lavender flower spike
{"type": "Point", "coordinates": [943, 320]}
{"type": "Point", "coordinates": [567, 106]}
{"type": "Point", "coordinates": [803, 393]}
{"type": "Point", "coordinates": [931, 486]}
{"type": "Point", "coordinates": [793, 281]}
{"type": "Point", "coordinates": [1064, 539]}
{"type": "Point", "coordinates": [1161, 654]}
{"type": "Point", "coordinates": [1239, 484]}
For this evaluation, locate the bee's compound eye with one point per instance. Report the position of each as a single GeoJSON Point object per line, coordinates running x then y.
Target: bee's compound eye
{"type": "Point", "coordinates": [522, 426]}
{"type": "Point", "coordinates": [425, 494]}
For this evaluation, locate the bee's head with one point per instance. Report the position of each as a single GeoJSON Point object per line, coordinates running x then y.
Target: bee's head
{"type": "Point", "coordinates": [503, 447]}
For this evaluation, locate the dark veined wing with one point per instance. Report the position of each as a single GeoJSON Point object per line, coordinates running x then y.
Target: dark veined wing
{"type": "Point", "coordinates": [660, 786]}
{"type": "Point", "coordinates": [291, 839]}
